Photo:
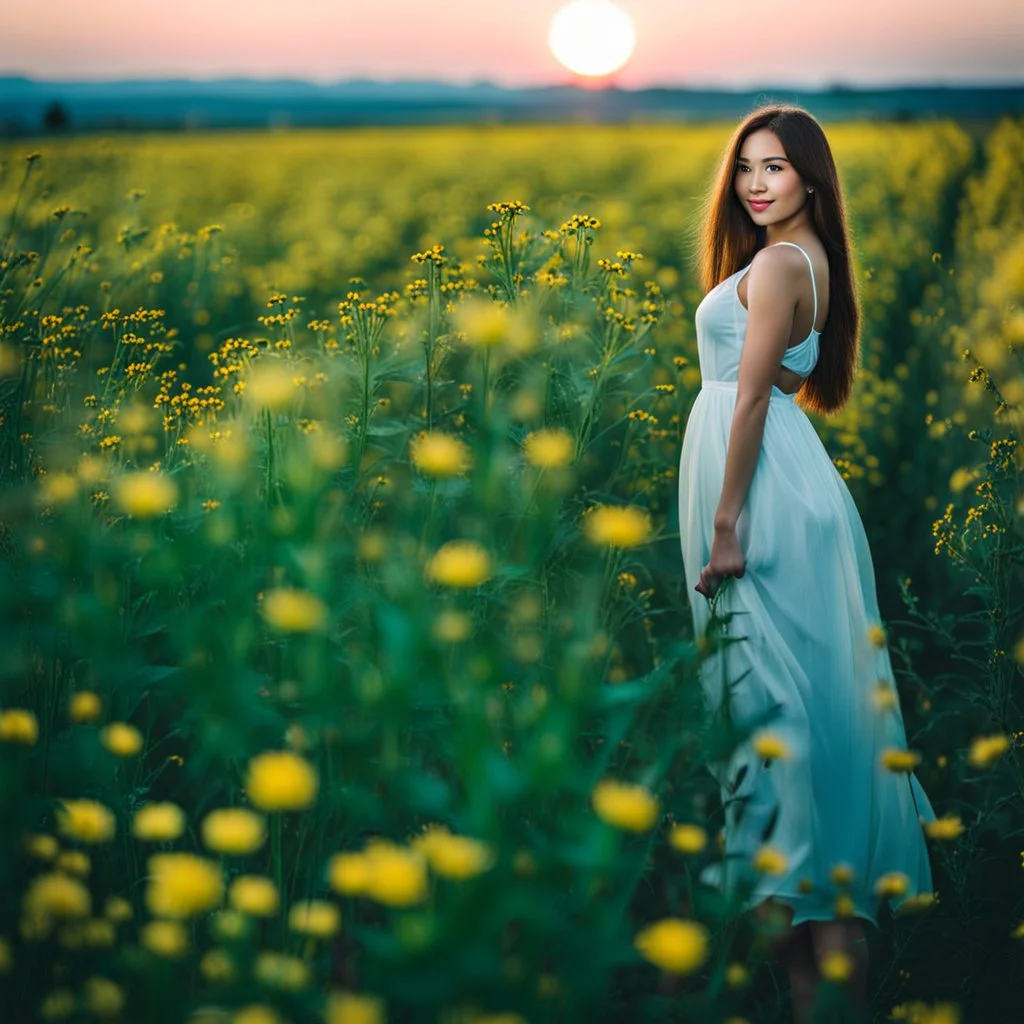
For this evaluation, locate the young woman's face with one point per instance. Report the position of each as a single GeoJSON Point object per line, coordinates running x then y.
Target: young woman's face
{"type": "Point", "coordinates": [766, 183]}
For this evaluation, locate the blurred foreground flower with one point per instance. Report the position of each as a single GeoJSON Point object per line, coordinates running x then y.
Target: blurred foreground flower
{"type": "Point", "coordinates": [437, 454]}
{"type": "Point", "coordinates": [182, 885]}
{"type": "Point", "coordinates": [165, 938]}
{"type": "Point", "coordinates": [353, 1008]}
{"type": "Point", "coordinates": [88, 821]}
{"type": "Point", "coordinates": [85, 706]}
{"type": "Point", "coordinates": [674, 945]}
{"type": "Point", "coordinates": [769, 861]}
{"type": "Point", "coordinates": [18, 725]}
{"type": "Point", "coordinates": [269, 385]}
{"type": "Point", "coordinates": [625, 806]}
{"type": "Point", "coordinates": [459, 563]}
{"type": "Point", "coordinates": [896, 760]}
{"type": "Point", "coordinates": [158, 822]}
{"type": "Point", "coordinates": [549, 448]}
{"type": "Point", "coordinates": [235, 831]}
{"type": "Point", "coordinates": [293, 611]}
{"type": "Point", "coordinates": [986, 750]}
{"type": "Point", "coordinates": [396, 876]}
{"type": "Point", "coordinates": [145, 495]}
{"type": "Point", "coordinates": [56, 896]}
{"type": "Point", "coordinates": [771, 747]}
{"type": "Point", "coordinates": [625, 527]}
{"type": "Point", "coordinates": [254, 895]}
{"type": "Point", "coordinates": [947, 827]}
{"type": "Point", "coordinates": [281, 780]}
{"type": "Point", "coordinates": [121, 739]}
{"type": "Point", "coordinates": [319, 919]}
{"type": "Point", "coordinates": [452, 856]}
{"type": "Point", "coordinates": [893, 883]}
{"type": "Point", "coordinates": [687, 838]}
{"type": "Point", "coordinates": [487, 325]}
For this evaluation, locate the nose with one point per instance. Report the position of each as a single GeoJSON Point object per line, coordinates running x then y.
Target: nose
{"type": "Point", "coordinates": [756, 184]}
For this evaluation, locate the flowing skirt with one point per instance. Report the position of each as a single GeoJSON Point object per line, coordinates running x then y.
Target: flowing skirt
{"type": "Point", "coordinates": [805, 670]}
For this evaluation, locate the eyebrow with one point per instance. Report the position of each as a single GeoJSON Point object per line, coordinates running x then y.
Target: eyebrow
{"type": "Point", "coordinates": [767, 159]}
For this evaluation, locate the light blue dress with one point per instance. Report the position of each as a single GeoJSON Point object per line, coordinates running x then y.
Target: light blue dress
{"type": "Point", "coordinates": [805, 606]}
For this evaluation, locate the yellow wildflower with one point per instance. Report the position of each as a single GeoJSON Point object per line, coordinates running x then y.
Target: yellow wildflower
{"type": "Point", "coordinates": [841, 874]}
{"type": "Point", "coordinates": [165, 938]}
{"type": "Point", "coordinates": [217, 967]}
{"type": "Point", "coordinates": [293, 611]}
{"type": "Point", "coordinates": [145, 495]}
{"type": "Point", "coordinates": [85, 706]}
{"type": "Point", "coordinates": [254, 895]}
{"type": "Point", "coordinates": [18, 725]}
{"type": "Point", "coordinates": [836, 966]}
{"type": "Point", "coordinates": [41, 846]}
{"type": "Point", "coordinates": [269, 385]}
{"type": "Point", "coordinates": [549, 448]}
{"type": "Point", "coordinates": [986, 750]}
{"type": "Point", "coordinates": [687, 838]}
{"type": "Point", "coordinates": [117, 909]}
{"type": "Point", "coordinates": [103, 998]}
{"type": "Point", "coordinates": [353, 1008]}
{"type": "Point", "coordinates": [158, 822]}
{"type": "Point", "coordinates": [769, 861]}
{"type": "Point", "coordinates": [450, 856]}
{"type": "Point", "coordinates": [896, 760]}
{"type": "Point", "coordinates": [121, 739]}
{"type": "Point", "coordinates": [893, 883]}
{"type": "Point", "coordinates": [674, 945]}
{"type": "Point", "coordinates": [58, 488]}
{"type": "Point", "coordinates": [459, 563]}
{"type": "Point", "coordinates": [438, 454]}
{"type": "Point", "coordinates": [57, 895]}
{"type": "Point", "coordinates": [349, 873]}
{"type": "Point", "coordinates": [182, 885]}
{"type": "Point", "coordinates": [771, 747]}
{"type": "Point", "coordinates": [281, 780]}
{"type": "Point", "coordinates": [876, 635]}
{"type": "Point", "coordinates": [234, 831]}
{"type": "Point", "coordinates": [883, 696]}
{"type": "Point", "coordinates": [73, 862]}
{"type": "Point", "coordinates": [317, 918]}
{"type": "Point", "coordinates": [86, 820]}
{"type": "Point", "coordinates": [451, 626]}
{"type": "Point", "coordinates": [947, 827]}
{"type": "Point", "coordinates": [625, 806]}
{"type": "Point", "coordinates": [736, 975]}
{"type": "Point", "coordinates": [277, 970]}
{"type": "Point", "coordinates": [397, 876]}
{"type": "Point", "coordinates": [625, 527]}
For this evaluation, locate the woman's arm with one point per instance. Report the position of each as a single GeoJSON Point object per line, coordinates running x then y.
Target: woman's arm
{"type": "Point", "coordinates": [771, 302]}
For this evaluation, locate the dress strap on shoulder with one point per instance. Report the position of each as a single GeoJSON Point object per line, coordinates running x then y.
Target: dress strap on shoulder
{"type": "Point", "coordinates": [814, 287]}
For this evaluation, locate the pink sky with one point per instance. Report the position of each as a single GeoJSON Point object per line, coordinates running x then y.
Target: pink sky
{"type": "Point", "coordinates": [732, 43]}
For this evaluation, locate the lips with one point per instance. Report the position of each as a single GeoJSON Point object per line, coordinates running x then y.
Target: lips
{"type": "Point", "coordinates": [760, 204]}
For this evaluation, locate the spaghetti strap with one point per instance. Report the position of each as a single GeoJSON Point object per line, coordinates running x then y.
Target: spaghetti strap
{"type": "Point", "coordinates": [814, 287]}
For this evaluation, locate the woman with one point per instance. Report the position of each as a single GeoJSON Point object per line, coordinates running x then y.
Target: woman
{"type": "Point", "coordinates": [766, 519]}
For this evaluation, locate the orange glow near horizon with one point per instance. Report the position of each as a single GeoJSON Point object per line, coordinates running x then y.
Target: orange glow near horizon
{"type": "Point", "coordinates": [726, 44]}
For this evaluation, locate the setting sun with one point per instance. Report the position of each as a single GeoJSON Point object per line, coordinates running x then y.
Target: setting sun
{"type": "Point", "coordinates": [592, 37]}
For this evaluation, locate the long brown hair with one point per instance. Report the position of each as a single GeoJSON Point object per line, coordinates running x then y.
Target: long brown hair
{"type": "Point", "coordinates": [728, 240]}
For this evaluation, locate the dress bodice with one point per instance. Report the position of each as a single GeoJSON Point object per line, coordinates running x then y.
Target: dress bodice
{"type": "Point", "coordinates": [721, 321]}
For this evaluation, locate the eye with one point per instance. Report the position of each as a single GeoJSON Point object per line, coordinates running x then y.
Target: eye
{"type": "Point", "coordinates": [776, 166]}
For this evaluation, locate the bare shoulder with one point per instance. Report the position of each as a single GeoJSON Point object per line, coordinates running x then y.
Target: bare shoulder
{"type": "Point", "coordinates": [775, 270]}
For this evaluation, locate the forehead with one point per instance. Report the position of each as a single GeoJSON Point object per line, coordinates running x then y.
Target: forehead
{"type": "Point", "coordinates": [762, 142]}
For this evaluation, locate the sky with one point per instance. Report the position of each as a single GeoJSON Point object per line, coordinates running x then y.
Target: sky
{"type": "Point", "coordinates": [717, 43]}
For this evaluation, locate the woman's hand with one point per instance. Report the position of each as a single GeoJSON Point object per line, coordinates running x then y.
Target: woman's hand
{"type": "Point", "coordinates": [726, 560]}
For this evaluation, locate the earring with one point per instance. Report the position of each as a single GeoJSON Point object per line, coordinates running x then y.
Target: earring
{"type": "Point", "coordinates": [809, 191]}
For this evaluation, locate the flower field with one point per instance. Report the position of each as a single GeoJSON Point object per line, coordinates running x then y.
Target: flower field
{"type": "Point", "coordinates": [348, 673]}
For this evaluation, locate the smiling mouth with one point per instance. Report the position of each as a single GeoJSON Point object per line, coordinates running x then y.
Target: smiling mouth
{"type": "Point", "coordinates": [760, 202]}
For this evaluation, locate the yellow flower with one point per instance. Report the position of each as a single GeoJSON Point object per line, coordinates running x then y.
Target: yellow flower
{"type": "Point", "coordinates": [771, 747]}
{"type": "Point", "coordinates": [256, 1014]}
{"type": "Point", "coordinates": [42, 847]}
{"type": "Point", "coordinates": [117, 909]}
{"type": "Point", "coordinates": [1018, 932]}
{"type": "Point", "coordinates": [836, 966]}
{"type": "Point", "coordinates": [217, 967]}
{"type": "Point", "coordinates": [165, 938]}
{"type": "Point", "coordinates": [397, 877]}
{"type": "Point", "coordinates": [986, 750]}
{"type": "Point", "coordinates": [121, 739]}
{"type": "Point", "coordinates": [73, 862]}
{"type": "Point", "coordinates": [459, 563]}
{"type": "Point", "coordinates": [281, 780]}
{"type": "Point", "coordinates": [625, 806]}
{"type": "Point", "coordinates": [86, 820]}
{"type": "Point", "coordinates": [896, 760]}
{"type": "Point", "coordinates": [58, 488]}
{"type": "Point", "coordinates": [437, 454]}
{"type": "Point", "coordinates": [916, 904]}
{"type": "Point", "coordinates": [456, 857]}
{"type": "Point", "coordinates": [883, 696]}
{"type": "Point", "coordinates": [687, 838]}
{"type": "Point", "coordinates": [158, 822]}
{"type": "Point", "coordinates": [103, 998]}
{"type": "Point", "coordinates": [85, 706]}
{"type": "Point", "coordinates": [947, 827]}
{"type": "Point", "coordinates": [625, 527]}
{"type": "Point", "coordinates": [769, 861]}
{"type": "Point", "coordinates": [233, 830]}
{"type": "Point", "coordinates": [280, 971]}
{"type": "Point", "coordinates": [352, 1008]}
{"type": "Point", "coordinates": [876, 635]}
{"type": "Point", "coordinates": [254, 895]}
{"type": "Point", "coordinates": [145, 495]}
{"type": "Point", "coordinates": [58, 1004]}
{"type": "Point", "coordinates": [488, 325]}
{"type": "Point", "coordinates": [57, 895]}
{"type": "Point", "coordinates": [317, 918]}
{"type": "Point", "coordinates": [228, 925]}
{"type": "Point", "coordinates": [269, 385]}
{"type": "Point", "coordinates": [293, 611]}
{"type": "Point", "coordinates": [841, 874]}
{"type": "Point", "coordinates": [451, 626]}
{"type": "Point", "coordinates": [736, 975]}
{"type": "Point", "coordinates": [17, 725]}
{"type": "Point", "coordinates": [100, 934]}
{"type": "Point", "coordinates": [549, 448]}
{"type": "Point", "coordinates": [674, 945]}
{"type": "Point", "coordinates": [893, 883]}
{"type": "Point", "coordinates": [349, 873]}
{"type": "Point", "coordinates": [182, 885]}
